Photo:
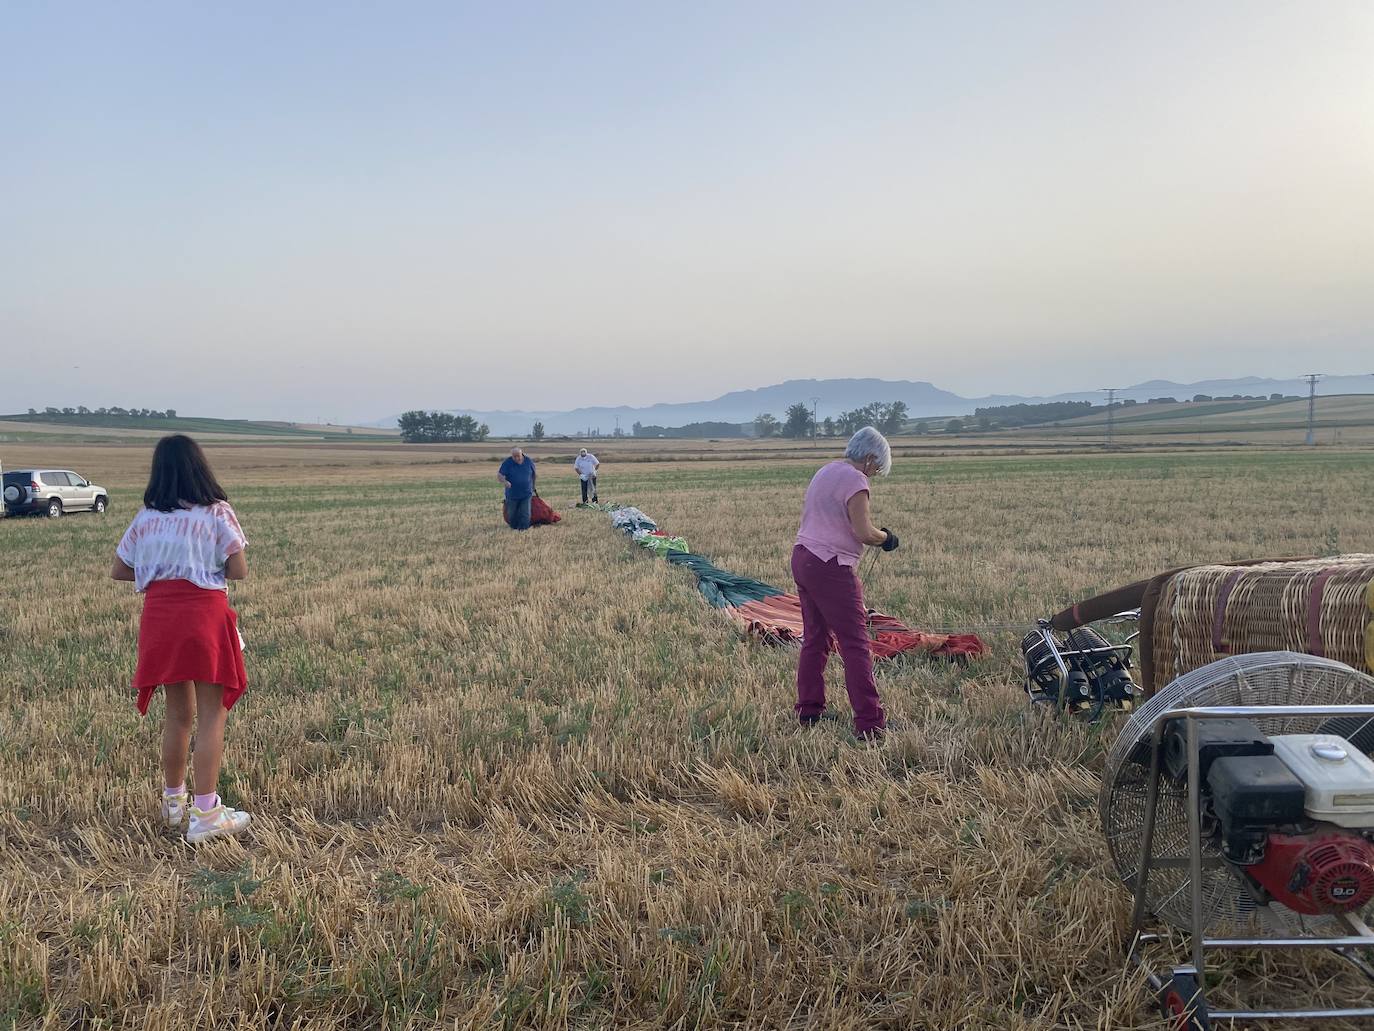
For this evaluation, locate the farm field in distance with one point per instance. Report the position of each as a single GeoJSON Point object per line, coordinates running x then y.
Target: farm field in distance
{"type": "Point", "coordinates": [534, 781]}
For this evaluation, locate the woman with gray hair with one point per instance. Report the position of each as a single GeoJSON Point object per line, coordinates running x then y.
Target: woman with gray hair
{"type": "Point", "coordinates": [836, 523]}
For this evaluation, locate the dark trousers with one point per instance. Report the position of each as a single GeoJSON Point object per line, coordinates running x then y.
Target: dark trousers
{"type": "Point", "coordinates": [589, 487]}
{"type": "Point", "coordinates": [519, 509]}
{"type": "Point", "coordinates": [832, 602]}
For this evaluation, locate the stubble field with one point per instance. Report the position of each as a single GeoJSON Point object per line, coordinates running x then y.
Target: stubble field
{"type": "Point", "coordinates": [506, 780]}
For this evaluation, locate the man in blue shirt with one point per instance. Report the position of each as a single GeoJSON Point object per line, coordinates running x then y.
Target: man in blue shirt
{"type": "Point", "coordinates": [517, 476]}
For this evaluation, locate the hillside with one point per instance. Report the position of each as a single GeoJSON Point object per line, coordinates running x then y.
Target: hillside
{"type": "Point", "coordinates": [45, 425]}
{"type": "Point", "coordinates": [1238, 417]}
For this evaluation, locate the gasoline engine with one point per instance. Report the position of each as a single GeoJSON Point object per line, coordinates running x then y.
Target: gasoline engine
{"type": "Point", "coordinates": [1292, 813]}
{"type": "Point", "coordinates": [1276, 848]}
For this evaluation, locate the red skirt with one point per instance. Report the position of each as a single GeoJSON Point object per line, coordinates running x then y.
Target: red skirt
{"type": "Point", "coordinates": [188, 633]}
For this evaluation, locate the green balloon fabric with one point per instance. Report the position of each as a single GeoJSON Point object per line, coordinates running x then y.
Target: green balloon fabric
{"type": "Point", "coordinates": [720, 588]}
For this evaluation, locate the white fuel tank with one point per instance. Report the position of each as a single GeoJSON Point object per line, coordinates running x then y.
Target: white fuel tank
{"type": "Point", "coordinates": [1339, 777]}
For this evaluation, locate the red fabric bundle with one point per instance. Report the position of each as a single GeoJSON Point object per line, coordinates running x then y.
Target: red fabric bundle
{"type": "Point", "coordinates": [892, 637]}
{"type": "Point", "coordinates": [188, 633]}
{"type": "Point", "coordinates": [541, 514]}
{"type": "Point", "coordinates": [778, 620]}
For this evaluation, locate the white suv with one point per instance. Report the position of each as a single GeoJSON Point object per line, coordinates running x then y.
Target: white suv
{"type": "Point", "coordinates": [51, 492]}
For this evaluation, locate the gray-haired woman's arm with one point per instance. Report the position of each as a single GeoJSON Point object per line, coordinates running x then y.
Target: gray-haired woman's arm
{"type": "Point", "coordinates": [861, 520]}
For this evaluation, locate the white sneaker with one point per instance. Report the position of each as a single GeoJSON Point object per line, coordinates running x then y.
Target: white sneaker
{"type": "Point", "coordinates": [174, 809]}
{"type": "Point", "coordinates": [219, 822]}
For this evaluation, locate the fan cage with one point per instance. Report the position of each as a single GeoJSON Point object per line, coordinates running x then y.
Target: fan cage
{"type": "Point", "coordinates": [1270, 678]}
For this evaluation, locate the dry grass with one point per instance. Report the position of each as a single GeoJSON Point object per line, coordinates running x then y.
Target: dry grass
{"type": "Point", "coordinates": [531, 781]}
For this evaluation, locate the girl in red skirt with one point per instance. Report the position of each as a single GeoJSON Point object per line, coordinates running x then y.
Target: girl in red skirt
{"type": "Point", "coordinates": [179, 552]}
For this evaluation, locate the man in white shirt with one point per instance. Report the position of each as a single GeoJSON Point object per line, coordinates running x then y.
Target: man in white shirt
{"type": "Point", "coordinates": [586, 466]}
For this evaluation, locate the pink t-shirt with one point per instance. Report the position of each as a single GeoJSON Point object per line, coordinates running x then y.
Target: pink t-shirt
{"type": "Point", "coordinates": [825, 529]}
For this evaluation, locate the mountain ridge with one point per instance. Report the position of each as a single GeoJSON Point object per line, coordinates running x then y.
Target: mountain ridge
{"type": "Point", "coordinates": [924, 400]}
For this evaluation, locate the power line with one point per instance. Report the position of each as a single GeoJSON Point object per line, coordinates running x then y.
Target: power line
{"type": "Point", "coordinates": [1111, 414]}
{"type": "Point", "coordinates": [1312, 378]}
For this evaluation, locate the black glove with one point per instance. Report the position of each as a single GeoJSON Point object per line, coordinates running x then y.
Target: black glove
{"type": "Point", "coordinates": [891, 543]}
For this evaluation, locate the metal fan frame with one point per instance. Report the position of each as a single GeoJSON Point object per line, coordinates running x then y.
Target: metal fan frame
{"type": "Point", "coordinates": [1358, 934]}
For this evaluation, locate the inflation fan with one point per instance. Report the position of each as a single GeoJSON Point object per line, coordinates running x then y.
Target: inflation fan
{"type": "Point", "coordinates": [1238, 806]}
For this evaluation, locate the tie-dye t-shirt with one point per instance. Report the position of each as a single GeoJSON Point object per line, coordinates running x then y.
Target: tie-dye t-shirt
{"type": "Point", "coordinates": [188, 544]}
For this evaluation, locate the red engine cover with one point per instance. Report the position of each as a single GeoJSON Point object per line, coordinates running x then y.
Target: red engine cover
{"type": "Point", "coordinates": [1328, 871]}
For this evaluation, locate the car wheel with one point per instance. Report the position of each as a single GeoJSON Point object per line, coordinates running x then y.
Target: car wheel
{"type": "Point", "coordinates": [54, 508]}
{"type": "Point", "coordinates": [99, 505]}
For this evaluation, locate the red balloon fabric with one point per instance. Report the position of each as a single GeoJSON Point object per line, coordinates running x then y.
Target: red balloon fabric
{"type": "Point", "coordinates": [541, 514]}
{"type": "Point", "coordinates": [779, 620]}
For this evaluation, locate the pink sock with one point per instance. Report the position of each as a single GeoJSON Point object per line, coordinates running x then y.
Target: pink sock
{"type": "Point", "coordinates": [173, 792]}
{"type": "Point", "coordinates": [207, 802]}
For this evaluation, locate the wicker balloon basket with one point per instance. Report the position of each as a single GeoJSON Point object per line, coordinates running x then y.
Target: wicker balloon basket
{"type": "Point", "coordinates": [1194, 615]}
{"type": "Point", "coordinates": [1322, 607]}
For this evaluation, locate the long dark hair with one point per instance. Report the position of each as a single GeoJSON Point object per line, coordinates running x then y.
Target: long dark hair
{"type": "Point", "coordinates": [180, 476]}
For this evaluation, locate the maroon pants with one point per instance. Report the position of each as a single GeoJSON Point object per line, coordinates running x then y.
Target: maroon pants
{"type": "Point", "coordinates": [832, 602]}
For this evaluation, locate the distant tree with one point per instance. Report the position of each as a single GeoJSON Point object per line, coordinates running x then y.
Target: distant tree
{"type": "Point", "coordinates": [1128, 402]}
{"type": "Point", "coordinates": [33, 411]}
{"type": "Point", "coordinates": [799, 422]}
{"type": "Point", "coordinates": [985, 422]}
{"type": "Point", "coordinates": [921, 429]}
{"type": "Point", "coordinates": [887, 416]}
{"type": "Point", "coordinates": [116, 410]}
{"type": "Point", "coordinates": [828, 426]}
{"type": "Point", "coordinates": [1202, 397]}
{"type": "Point", "coordinates": [443, 426]}
{"type": "Point", "coordinates": [637, 429]}
{"type": "Point", "coordinates": [538, 432]}
{"type": "Point", "coordinates": [419, 427]}
{"type": "Point", "coordinates": [954, 426]}
{"type": "Point", "coordinates": [172, 413]}
{"type": "Point", "coordinates": [765, 425]}
{"type": "Point", "coordinates": [82, 410]}
{"type": "Point", "coordinates": [891, 417]}
{"type": "Point", "coordinates": [414, 426]}
{"type": "Point", "coordinates": [50, 410]}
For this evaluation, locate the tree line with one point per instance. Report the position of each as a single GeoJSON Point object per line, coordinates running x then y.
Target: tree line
{"type": "Point", "coordinates": [693, 430]}
{"type": "Point", "coordinates": [800, 421]}
{"type": "Point", "coordinates": [79, 410]}
{"type": "Point", "coordinates": [420, 427]}
{"type": "Point", "coordinates": [1029, 414]}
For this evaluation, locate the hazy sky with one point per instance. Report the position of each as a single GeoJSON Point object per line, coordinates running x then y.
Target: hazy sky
{"type": "Point", "coordinates": [345, 210]}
